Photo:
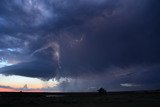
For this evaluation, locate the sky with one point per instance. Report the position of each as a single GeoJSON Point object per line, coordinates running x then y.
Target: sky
{"type": "Point", "coordinates": [79, 45]}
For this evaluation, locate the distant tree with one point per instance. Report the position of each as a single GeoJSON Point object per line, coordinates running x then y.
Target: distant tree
{"type": "Point", "coordinates": [102, 91]}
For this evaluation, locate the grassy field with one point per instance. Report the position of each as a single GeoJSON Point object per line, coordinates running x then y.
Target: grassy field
{"type": "Point", "coordinates": [114, 99]}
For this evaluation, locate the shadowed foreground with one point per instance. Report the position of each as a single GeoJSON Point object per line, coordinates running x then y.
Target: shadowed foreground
{"type": "Point", "coordinates": [124, 99]}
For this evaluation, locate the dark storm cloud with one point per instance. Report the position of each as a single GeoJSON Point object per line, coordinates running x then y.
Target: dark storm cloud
{"type": "Point", "coordinates": [36, 69]}
{"type": "Point", "coordinates": [50, 15]}
{"type": "Point", "coordinates": [81, 37]}
{"type": "Point", "coordinates": [114, 79]}
{"type": "Point", "coordinates": [8, 41]}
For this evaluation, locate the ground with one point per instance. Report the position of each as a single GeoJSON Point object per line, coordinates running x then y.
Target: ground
{"type": "Point", "coordinates": [114, 99]}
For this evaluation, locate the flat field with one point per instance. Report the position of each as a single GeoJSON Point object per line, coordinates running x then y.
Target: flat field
{"type": "Point", "coordinates": [112, 99]}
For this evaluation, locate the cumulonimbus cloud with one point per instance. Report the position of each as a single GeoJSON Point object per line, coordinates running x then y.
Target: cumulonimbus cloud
{"type": "Point", "coordinates": [86, 37]}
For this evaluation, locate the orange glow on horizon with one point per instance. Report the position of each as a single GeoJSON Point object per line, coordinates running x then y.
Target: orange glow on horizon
{"type": "Point", "coordinates": [8, 90]}
{"type": "Point", "coordinates": [14, 90]}
{"type": "Point", "coordinates": [17, 82]}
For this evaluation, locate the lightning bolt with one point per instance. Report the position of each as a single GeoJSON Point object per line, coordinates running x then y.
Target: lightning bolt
{"type": "Point", "coordinates": [55, 53]}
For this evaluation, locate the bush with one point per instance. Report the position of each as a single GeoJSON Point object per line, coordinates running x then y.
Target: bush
{"type": "Point", "coordinates": [102, 91]}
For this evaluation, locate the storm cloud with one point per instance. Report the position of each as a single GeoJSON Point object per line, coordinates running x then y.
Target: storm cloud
{"type": "Point", "coordinates": [67, 38]}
